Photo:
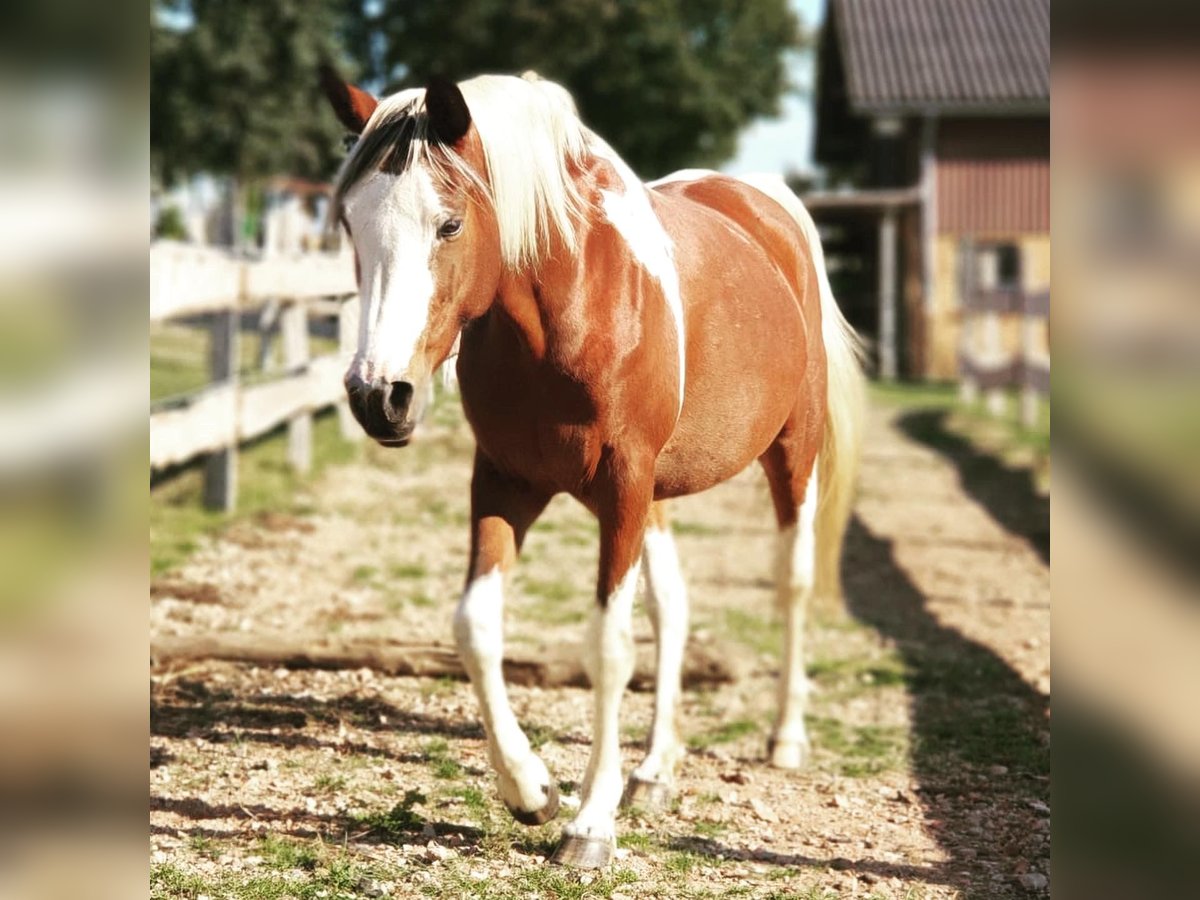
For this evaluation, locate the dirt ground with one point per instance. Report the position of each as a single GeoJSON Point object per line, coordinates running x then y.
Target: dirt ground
{"type": "Point", "coordinates": [930, 719]}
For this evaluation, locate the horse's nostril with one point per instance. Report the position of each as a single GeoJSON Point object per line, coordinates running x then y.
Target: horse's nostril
{"type": "Point", "coordinates": [398, 399]}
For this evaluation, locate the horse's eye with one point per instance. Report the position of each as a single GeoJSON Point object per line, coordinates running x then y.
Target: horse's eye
{"type": "Point", "coordinates": [450, 229]}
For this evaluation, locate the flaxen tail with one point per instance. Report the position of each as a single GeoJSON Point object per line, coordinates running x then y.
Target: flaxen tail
{"type": "Point", "coordinates": [846, 407]}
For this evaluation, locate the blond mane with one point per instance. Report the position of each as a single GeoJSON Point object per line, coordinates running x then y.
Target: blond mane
{"type": "Point", "coordinates": [531, 135]}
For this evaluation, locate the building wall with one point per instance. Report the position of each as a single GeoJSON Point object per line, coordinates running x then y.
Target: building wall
{"type": "Point", "coordinates": [992, 185]}
{"type": "Point", "coordinates": [993, 175]}
{"type": "Point", "coordinates": [943, 327]}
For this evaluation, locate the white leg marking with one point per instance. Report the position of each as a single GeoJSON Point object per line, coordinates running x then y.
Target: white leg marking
{"type": "Point", "coordinates": [634, 218]}
{"type": "Point", "coordinates": [667, 604]}
{"type": "Point", "coordinates": [609, 661]}
{"type": "Point", "coordinates": [795, 564]}
{"type": "Point", "coordinates": [479, 630]}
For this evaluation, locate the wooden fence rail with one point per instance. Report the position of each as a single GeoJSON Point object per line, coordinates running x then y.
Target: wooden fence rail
{"type": "Point", "coordinates": [985, 365]}
{"type": "Point", "coordinates": [211, 286]}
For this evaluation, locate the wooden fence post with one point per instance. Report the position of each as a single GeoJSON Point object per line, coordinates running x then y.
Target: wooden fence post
{"type": "Point", "coordinates": [220, 467]}
{"type": "Point", "coordinates": [347, 326]}
{"type": "Point", "coordinates": [1030, 408]}
{"type": "Point", "coordinates": [968, 387]}
{"type": "Point", "coordinates": [887, 295]}
{"type": "Point", "coordinates": [293, 332]}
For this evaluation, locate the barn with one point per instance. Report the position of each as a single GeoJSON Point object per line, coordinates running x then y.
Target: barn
{"type": "Point", "coordinates": [933, 126]}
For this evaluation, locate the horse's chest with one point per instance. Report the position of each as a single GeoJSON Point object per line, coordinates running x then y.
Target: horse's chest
{"type": "Point", "coordinates": [541, 427]}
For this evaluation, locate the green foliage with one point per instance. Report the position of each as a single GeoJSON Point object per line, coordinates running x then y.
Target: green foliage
{"type": "Point", "coordinates": [170, 226]}
{"type": "Point", "coordinates": [668, 84]}
{"type": "Point", "coordinates": [400, 820]}
{"type": "Point", "coordinates": [235, 90]}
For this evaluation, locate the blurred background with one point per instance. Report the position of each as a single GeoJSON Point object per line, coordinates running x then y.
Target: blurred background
{"type": "Point", "coordinates": [919, 133]}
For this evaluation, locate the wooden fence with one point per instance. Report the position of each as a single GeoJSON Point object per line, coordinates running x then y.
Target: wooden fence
{"type": "Point", "coordinates": [210, 288]}
{"type": "Point", "coordinates": [986, 365]}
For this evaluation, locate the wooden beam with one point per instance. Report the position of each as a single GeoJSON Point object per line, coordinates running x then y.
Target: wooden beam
{"type": "Point", "coordinates": [293, 330]}
{"type": "Point", "coordinates": [220, 469]}
{"type": "Point", "coordinates": [888, 368]}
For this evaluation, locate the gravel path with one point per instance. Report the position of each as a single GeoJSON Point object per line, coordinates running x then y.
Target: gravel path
{"type": "Point", "coordinates": [930, 719]}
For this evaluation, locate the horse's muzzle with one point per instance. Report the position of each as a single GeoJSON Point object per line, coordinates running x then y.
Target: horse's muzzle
{"type": "Point", "coordinates": [387, 410]}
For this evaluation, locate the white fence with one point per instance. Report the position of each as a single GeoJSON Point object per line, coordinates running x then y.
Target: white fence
{"type": "Point", "coordinates": [212, 286]}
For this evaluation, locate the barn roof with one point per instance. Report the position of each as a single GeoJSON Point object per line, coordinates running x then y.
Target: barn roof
{"type": "Point", "coordinates": [945, 55]}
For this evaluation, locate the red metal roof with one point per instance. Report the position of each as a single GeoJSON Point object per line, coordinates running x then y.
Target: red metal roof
{"type": "Point", "coordinates": [945, 55]}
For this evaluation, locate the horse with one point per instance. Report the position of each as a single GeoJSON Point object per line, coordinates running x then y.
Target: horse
{"type": "Point", "coordinates": [624, 343]}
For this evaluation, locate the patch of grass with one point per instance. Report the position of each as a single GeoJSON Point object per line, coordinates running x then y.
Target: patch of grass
{"type": "Point", "coordinates": [725, 733]}
{"type": "Point", "coordinates": [861, 750]}
{"type": "Point", "coordinates": [397, 822]}
{"type": "Point", "coordinates": [538, 734]}
{"type": "Point", "coordinates": [539, 881]}
{"type": "Point", "coordinates": [179, 522]}
{"type": "Point", "coordinates": [203, 845]}
{"type": "Point", "coordinates": [364, 574]}
{"type": "Point", "coordinates": [408, 570]}
{"type": "Point", "coordinates": [636, 840]}
{"type": "Point", "coordinates": [913, 394]}
{"type": "Point", "coordinates": [710, 829]}
{"type": "Point", "coordinates": [681, 862]}
{"type": "Point", "coordinates": [437, 752]}
{"type": "Point", "coordinates": [761, 633]}
{"type": "Point", "coordinates": [695, 529]}
{"type": "Point", "coordinates": [851, 676]}
{"type": "Point", "coordinates": [474, 800]}
{"type": "Point", "coordinates": [279, 853]}
{"type": "Point", "coordinates": [326, 783]}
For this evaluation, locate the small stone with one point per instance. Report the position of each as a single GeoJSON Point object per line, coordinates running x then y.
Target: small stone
{"type": "Point", "coordinates": [839, 801]}
{"type": "Point", "coordinates": [1033, 881]}
{"type": "Point", "coordinates": [735, 777]}
{"type": "Point", "coordinates": [727, 795]}
{"type": "Point", "coordinates": [763, 811]}
{"type": "Point", "coordinates": [621, 853]}
{"type": "Point", "coordinates": [586, 878]}
{"type": "Point", "coordinates": [997, 770]}
{"type": "Point", "coordinates": [1039, 806]}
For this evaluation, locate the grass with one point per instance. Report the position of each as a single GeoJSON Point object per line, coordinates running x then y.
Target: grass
{"type": "Point", "coordinates": [725, 733]}
{"type": "Point", "coordinates": [860, 751]}
{"type": "Point", "coordinates": [437, 753]}
{"type": "Point", "coordinates": [179, 522]}
{"type": "Point", "coordinates": [762, 634]}
{"type": "Point", "coordinates": [329, 784]}
{"type": "Point", "coordinates": [398, 821]}
{"type": "Point", "coordinates": [299, 870]}
{"type": "Point", "coordinates": [1002, 434]}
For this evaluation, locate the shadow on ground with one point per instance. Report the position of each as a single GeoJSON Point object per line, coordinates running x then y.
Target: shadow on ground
{"type": "Point", "coordinates": [980, 743]}
{"type": "Point", "coordinates": [1007, 493]}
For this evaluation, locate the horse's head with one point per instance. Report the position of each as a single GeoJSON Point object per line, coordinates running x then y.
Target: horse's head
{"type": "Point", "coordinates": [427, 254]}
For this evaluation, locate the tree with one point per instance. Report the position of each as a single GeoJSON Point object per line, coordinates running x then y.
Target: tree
{"type": "Point", "coordinates": [669, 83]}
{"type": "Point", "coordinates": [234, 89]}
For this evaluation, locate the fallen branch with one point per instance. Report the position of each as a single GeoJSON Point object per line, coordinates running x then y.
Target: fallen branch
{"type": "Point", "coordinates": [704, 665]}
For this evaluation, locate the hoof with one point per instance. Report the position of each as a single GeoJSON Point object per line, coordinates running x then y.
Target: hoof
{"type": "Point", "coordinates": [539, 816]}
{"type": "Point", "coordinates": [650, 795]}
{"type": "Point", "coordinates": [787, 754]}
{"type": "Point", "coordinates": [581, 852]}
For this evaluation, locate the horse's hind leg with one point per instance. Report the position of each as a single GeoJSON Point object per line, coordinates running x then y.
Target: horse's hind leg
{"type": "Point", "coordinates": [792, 474]}
{"type": "Point", "coordinates": [501, 513]}
{"type": "Point", "coordinates": [651, 783]}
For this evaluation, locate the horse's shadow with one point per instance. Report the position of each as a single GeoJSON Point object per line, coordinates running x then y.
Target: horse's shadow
{"type": "Point", "coordinates": [1008, 493]}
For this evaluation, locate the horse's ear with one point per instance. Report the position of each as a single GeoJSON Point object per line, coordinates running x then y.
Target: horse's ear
{"type": "Point", "coordinates": [449, 117]}
{"type": "Point", "coordinates": [353, 106]}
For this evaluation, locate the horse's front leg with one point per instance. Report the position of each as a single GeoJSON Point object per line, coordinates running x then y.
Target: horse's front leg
{"type": "Point", "coordinates": [501, 512]}
{"type": "Point", "coordinates": [590, 840]}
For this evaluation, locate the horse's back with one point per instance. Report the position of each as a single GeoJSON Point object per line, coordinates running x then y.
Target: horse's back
{"type": "Point", "coordinates": [752, 315]}
{"type": "Point", "coordinates": [745, 210]}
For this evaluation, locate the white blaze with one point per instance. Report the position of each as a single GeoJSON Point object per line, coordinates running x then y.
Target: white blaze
{"type": "Point", "coordinates": [394, 221]}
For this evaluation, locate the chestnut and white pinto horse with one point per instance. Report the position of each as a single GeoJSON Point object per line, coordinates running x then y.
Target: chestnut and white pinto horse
{"type": "Point", "coordinates": [620, 342]}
